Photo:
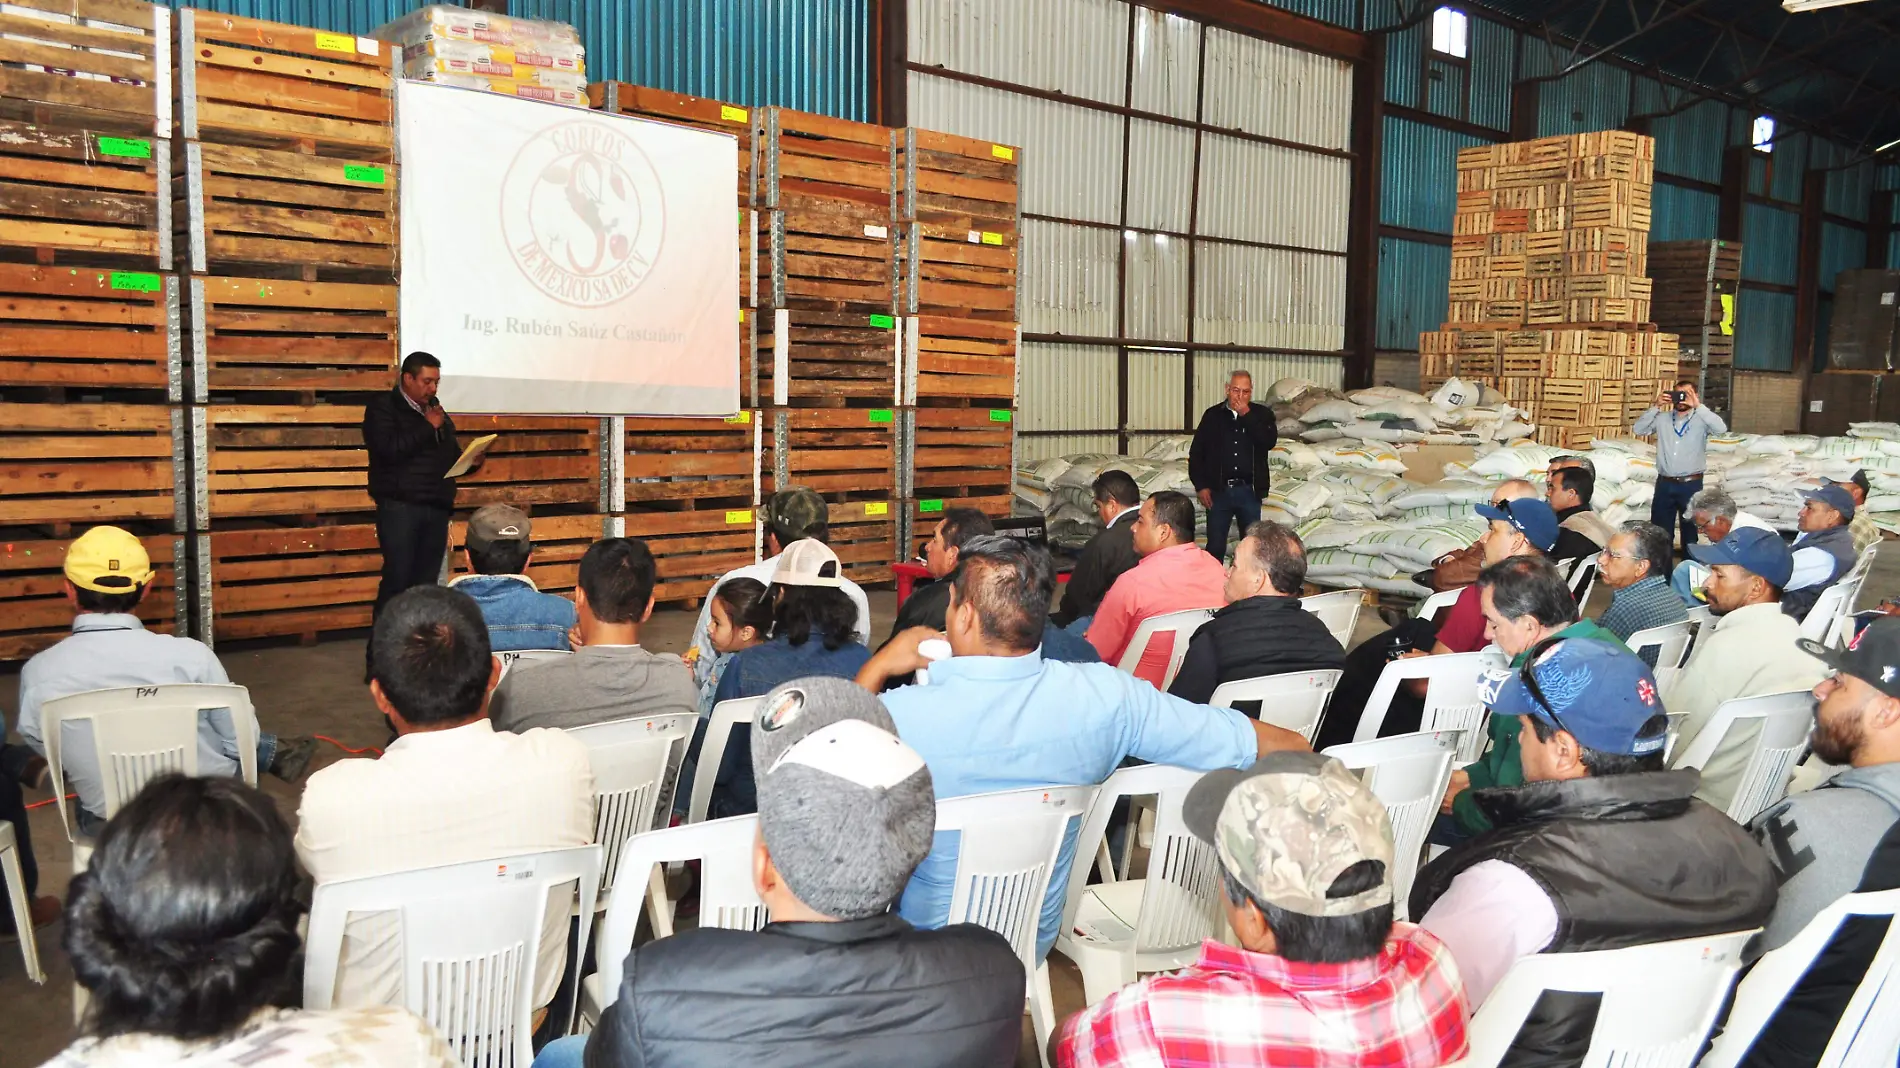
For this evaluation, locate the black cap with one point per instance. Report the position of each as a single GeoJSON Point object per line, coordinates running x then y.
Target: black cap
{"type": "Point", "coordinates": [1872, 657]}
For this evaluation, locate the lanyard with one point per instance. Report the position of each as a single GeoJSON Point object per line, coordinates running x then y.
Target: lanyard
{"type": "Point", "coordinates": [1685, 424]}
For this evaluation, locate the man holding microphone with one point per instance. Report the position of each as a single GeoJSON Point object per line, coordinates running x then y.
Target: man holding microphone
{"type": "Point", "coordinates": [412, 445]}
{"type": "Point", "coordinates": [1682, 427]}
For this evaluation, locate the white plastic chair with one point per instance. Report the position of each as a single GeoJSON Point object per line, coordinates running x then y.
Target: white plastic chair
{"type": "Point", "coordinates": [17, 898]}
{"type": "Point", "coordinates": [509, 657]}
{"type": "Point", "coordinates": [1781, 722]}
{"type": "Point", "coordinates": [1671, 642]}
{"type": "Point", "coordinates": [1339, 610]}
{"type": "Point", "coordinates": [1296, 700]}
{"type": "Point", "coordinates": [727, 898]}
{"type": "Point", "coordinates": [1659, 1000]}
{"type": "Point", "coordinates": [1115, 930]}
{"type": "Point", "coordinates": [1006, 860]}
{"type": "Point", "coordinates": [1583, 580]}
{"type": "Point", "coordinates": [139, 733]}
{"type": "Point", "coordinates": [1409, 773]}
{"type": "Point", "coordinates": [471, 936]}
{"type": "Point", "coordinates": [1181, 625]}
{"type": "Point", "coordinates": [1451, 698]}
{"type": "Point", "coordinates": [1438, 602]}
{"type": "Point", "coordinates": [712, 749]}
{"type": "Point", "coordinates": [636, 764]}
{"type": "Point", "coordinates": [1868, 1031]}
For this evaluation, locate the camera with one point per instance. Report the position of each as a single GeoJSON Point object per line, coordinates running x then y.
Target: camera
{"type": "Point", "coordinates": [1679, 396]}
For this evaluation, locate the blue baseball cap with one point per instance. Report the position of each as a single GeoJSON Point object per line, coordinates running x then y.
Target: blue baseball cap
{"type": "Point", "coordinates": [1602, 694]}
{"type": "Point", "coordinates": [1529, 515]}
{"type": "Point", "coordinates": [1834, 495]}
{"type": "Point", "coordinates": [1757, 551]}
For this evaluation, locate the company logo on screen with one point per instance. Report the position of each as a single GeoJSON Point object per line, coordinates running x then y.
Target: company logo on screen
{"type": "Point", "coordinates": [583, 213]}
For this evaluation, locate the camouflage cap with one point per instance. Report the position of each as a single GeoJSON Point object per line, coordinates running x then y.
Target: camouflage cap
{"type": "Point", "coordinates": [796, 511]}
{"type": "Point", "coordinates": [1287, 827]}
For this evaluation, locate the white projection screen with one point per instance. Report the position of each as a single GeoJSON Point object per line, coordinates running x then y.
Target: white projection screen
{"type": "Point", "coordinates": [565, 261]}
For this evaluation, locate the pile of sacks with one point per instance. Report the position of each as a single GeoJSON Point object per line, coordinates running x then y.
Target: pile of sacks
{"type": "Point", "coordinates": [1457, 413]}
{"type": "Point", "coordinates": [1766, 473]}
{"type": "Point", "coordinates": [1059, 487]}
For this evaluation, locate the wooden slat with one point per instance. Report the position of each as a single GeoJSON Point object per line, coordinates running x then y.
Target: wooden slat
{"type": "Point", "coordinates": [272, 84]}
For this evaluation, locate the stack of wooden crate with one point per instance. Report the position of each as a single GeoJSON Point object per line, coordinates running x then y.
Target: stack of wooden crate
{"type": "Point", "coordinates": [1549, 298]}
{"type": "Point", "coordinates": [1697, 284]}
{"type": "Point", "coordinates": [90, 378]}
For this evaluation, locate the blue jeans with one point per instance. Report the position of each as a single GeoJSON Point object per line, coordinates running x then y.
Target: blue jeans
{"type": "Point", "coordinates": [1231, 503]}
{"type": "Point", "coordinates": [1080, 628]}
{"type": "Point", "coordinates": [1669, 509]}
{"type": "Point", "coordinates": [562, 1053]}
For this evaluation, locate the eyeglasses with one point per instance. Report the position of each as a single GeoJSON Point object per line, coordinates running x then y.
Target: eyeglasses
{"type": "Point", "coordinates": [1610, 554]}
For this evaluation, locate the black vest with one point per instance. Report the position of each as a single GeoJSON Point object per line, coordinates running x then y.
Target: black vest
{"type": "Point", "coordinates": [1837, 542]}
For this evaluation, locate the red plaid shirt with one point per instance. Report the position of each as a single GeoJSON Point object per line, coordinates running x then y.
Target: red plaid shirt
{"type": "Point", "coordinates": [1403, 1009]}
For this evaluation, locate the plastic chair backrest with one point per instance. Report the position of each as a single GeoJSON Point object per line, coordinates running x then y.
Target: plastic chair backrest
{"type": "Point", "coordinates": [1438, 602]}
{"type": "Point", "coordinates": [1409, 773]}
{"type": "Point", "coordinates": [1181, 896]}
{"type": "Point", "coordinates": [723, 849]}
{"type": "Point", "coordinates": [1832, 604]}
{"type": "Point", "coordinates": [17, 900]}
{"type": "Point", "coordinates": [1659, 1001]}
{"type": "Point", "coordinates": [636, 764]}
{"type": "Point", "coordinates": [1339, 610]}
{"type": "Point", "coordinates": [471, 935]}
{"type": "Point", "coordinates": [1583, 579]}
{"type": "Point", "coordinates": [1868, 1031]}
{"type": "Point", "coordinates": [712, 749]}
{"type": "Point", "coordinates": [1295, 700]}
{"type": "Point", "coordinates": [1006, 857]}
{"type": "Point", "coordinates": [1784, 720]}
{"type": "Point", "coordinates": [141, 732]}
{"type": "Point", "coordinates": [509, 657]}
{"type": "Point", "coordinates": [1671, 642]}
{"type": "Point", "coordinates": [1451, 697]}
{"type": "Point", "coordinates": [1180, 625]}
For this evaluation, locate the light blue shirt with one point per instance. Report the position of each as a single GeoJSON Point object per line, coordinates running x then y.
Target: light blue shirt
{"type": "Point", "coordinates": [988, 723]}
{"type": "Point", "coordinates": [107, 650]}
{"type": "Point", "coordinates": [1681, 439]}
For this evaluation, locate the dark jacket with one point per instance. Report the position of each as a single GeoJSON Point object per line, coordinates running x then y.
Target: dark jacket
{"type": "Point", "coordinates": [1626, 860]}
{"type": "Point", "coordinates": [1837, 542]}
{"type": "Point", "coordinates": [1103, 559]}
{"type": "Point", "coordinates": [874, 992]}
{"type": "Point", "coordinates": [1254, 637]}
{"type": "Point", "coordinates": [407, 456]}
{"type": "Point", "coordinates": [1209, 462]}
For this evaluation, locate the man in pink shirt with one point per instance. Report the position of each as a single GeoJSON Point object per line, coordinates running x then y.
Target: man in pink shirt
{"type": "Point", "coordinates": [1174, 575]}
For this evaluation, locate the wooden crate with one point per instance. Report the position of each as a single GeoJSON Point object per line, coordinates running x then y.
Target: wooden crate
{"type": "Point", "coordinates": [1491, 289]}
{"type": "Point", "coordinates": [925, 511]}
{"type": "Point", "coordinates": [96, 64]}
{"type": "Point", "coordinates": [1566, 437]}
{"type": "Point", "coordinates": [693, 549]}
{"type": "Point", "coordinates": [699, 112]}
{"type": "Point", "coordinates": [538, 460]}
{"type": "Point", "coordinates": [1606, 285]}
{"type": "Point", "coordinates": [1556, 147]}
{"type": "Point", "coordinates": [842, 453]}
{"type": "Point", "coordinates": [278, 460]}
{"type": "Point", "coordinates": [89, 463]}
{"type": "Point", "coordinates": [864, 535]}
{"type": "Point", "coordinates": [827, 358]}
{"type": "Point", "coordinates": [960, 204]}
{"type": "Point", "coordinates": [33, 596]}
{"type": "Point", "coordinates": [1604, 391]}
{"type": "Point", "coordinates": [75, 195]}
{"type": "Point", "coordinates": [829, 190]}
{"type": "Point", "coordinates": [245, 205]}
{"type": "Point", "coordinates": [249, 82]}
{"type": "Point", "coordinates": [559, 543]}
{"type": "Point", "coordinates": [693, 463]}
{"type": "Point", "coordinates": [62, 326]}
{"type": "Point", "coordinates": [956, 362]}
{"type": "Point", "coordinates": [961, 452]}
{"type": "Point", "coordinates": [1575, 413]}
{"type": "Point", "coordinates": [269, 334]}
{"type": "Point", "coordinates": [261, 581]}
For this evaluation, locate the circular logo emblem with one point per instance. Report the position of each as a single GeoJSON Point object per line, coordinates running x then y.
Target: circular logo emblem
{"type": "Point", "coordinates": [583, 213]}
{"type": "Point", "coordinates": [783, 711]}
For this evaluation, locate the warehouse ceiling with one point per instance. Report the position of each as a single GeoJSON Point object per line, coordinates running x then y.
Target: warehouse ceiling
{"type": "Point", "coordinates": [1836, 70]}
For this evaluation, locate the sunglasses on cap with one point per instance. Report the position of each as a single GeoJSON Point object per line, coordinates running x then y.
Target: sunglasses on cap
{"type": "Point", "coordinates": [1529, 678]}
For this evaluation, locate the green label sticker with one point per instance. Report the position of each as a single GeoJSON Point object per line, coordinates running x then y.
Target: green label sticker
{"type": "Point", "coordinates": [999, 415]}
{"type": "Point", "coordinates": [882, 415]}
{"type": "Point", "coordinates": [362, 172]}
{"type": "Point", "coordinates": [930, 506]}
{"type": "Point", "coordinates": [136, 281]}
{"type": "Point", "coordinates": [883, 322]}
{"type": "Point", "coordinates": [128, 147]}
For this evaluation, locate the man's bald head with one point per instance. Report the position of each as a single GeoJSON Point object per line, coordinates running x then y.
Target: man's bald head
{"type": "Point", "coordinates": [1516, 489]}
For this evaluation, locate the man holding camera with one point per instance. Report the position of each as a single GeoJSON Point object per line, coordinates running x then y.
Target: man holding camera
{"type": "Point", "coordinates": [1682, 427]}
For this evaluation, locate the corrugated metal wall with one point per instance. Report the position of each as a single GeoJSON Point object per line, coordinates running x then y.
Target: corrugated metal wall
{"type": "Point", "coordinates": [1420, 186]}
{"type": "Point", "coordinates": [1413, 278]}
{"type": "Point", "coordinates": [1678, 213]}
{"type": "Point", "coordinates": [343, 16]}
{"type": "Point", "coordinates": [1843, 248]}
{"type": "Point", "coordinates": [1769, 244]}
{"type": "Point", "coordinates": [1764, 330]}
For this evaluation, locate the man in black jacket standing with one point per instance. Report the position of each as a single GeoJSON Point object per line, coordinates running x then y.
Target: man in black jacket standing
{"type": "Point", "coordinates": [1107, 554]}
{"type": "Point", "coordinates": [1228, 461]}
{"type": "Point", "coordinates": [412, 445]}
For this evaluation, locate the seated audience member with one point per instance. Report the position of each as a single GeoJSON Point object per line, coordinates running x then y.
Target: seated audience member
{"type": "Point", "coordinates": [1825, 550]}
{"type": "Point", "coordinates": [1862, 528]}
{"type": "Point", "coordinates": [449, 789]}
{"type": "Point", "coordinates": [1749, 652]}
{"type": "Point", "coordinates": [107, 574]}
{"type": "Point", "coordinates": [741, 619]}
{"type": "Point", "coordinates": [1106, 556]}
{"type": "Point", "coordinates": [793, 514]}
{"type": "Point", "coordinates": [1634, 565]}
{"type": "Point", "coordinates": [1322, 974]}
{"type": "Point", "coordinates": [1456, 570]}
{"type": "Point", "coordinates": [1820, 840]}
{"type": "Point", "coordinates": [1600, 848]}
{"type": "Point", "coordinates": [811, 635]}
{"type": "Point", "coordinates": [519, 615]}
{"type": "Point", "coordinates": [845, 812]}
{"type": "Point", "coordinates": [1174, 575]}
{"type": "Point", "coordinates": [998, 716]}
{"type": "Point", "coordinates": [1525, 602]}
{"type": "Point", "coordinates": [611, 676]}
{"type": "Point", "coordinates": [183, 933]}
{"type": "Point", "coordinates": [1582, 532]}
{"type": "Point", "coordinates": [1714, 513]}
{"type": "Point", "coordinates": [1264, 630]}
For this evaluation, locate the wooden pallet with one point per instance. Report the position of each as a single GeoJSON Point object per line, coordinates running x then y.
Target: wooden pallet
{"type": "Point", "coordinates": [828, 188]}
{"type": "Point", "coordinates": [846, 454]}
{"type": "Point", "coordinates": [827, 358]}
{"type": "Point", "coordinates": [273, 581]}
{"type": "Point", "coordinates": [63, 326]}
{"type": "Point", "coordinates": [279, 460]}
{"type": "Point", "coordinates": [693, 463]}
{"type": "Point", "coordinates": [693, 549]}
{"type": "Point", "coordinates": [961, 452]}
{"type": "Point", "coordinates": [539, 460]}
{"type": "Point", "coordinates": [1603, 391]}
{"type": "Point", "coordinates": [104, 65]}
{"type": "Point", "coordinates": [268, 334]}
{"type": "Point", "coordinates": [34, 612]}
{"type": "Point", "coordinates": [960, 202]}
{"type": "Point", "coordinates": [960, 362]}
{"type": "Point", "coordinates": [678, 108]}
{"type": "Point", "coordinates": [245, 205]}
{"type": "Point", "coordinates": [88, 463]}
{"type": "Point", "coordinates": [82, 196]}
{"type": "Point", "coordinates": [269, 84]}
{"type": "Point", "coordinates": [864, 535]}
{"type": "Point", "coordinates": [925, 512]}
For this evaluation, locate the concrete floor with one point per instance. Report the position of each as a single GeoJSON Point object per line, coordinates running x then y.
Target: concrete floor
{"type": "Point", "coordinates": [319, 690]}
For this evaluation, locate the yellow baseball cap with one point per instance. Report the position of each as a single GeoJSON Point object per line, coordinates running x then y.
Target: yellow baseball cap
{"type": "Point", "coordinates": [108, 560]}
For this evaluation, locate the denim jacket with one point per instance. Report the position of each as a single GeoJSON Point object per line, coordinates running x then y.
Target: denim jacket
{"type": "Point", "coordinates": [519, 616]}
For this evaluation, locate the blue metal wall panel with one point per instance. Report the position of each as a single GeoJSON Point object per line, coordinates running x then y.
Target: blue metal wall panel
{"type": "Point", "coordinates": [1764, 330]}
{"type": "Point", "coordinates": [1419, 188]}
{"type": "Point", "coordinates": [1790, 167]}
{"type": "Point", "coordinates": [1690, 144]}
{"type": "Point", "coordinates": [1413, 280]}
{"type": "Point", "coordinates": [1492, 50]}
{"type": "Point", "coordinates": [1679, 214]}
{"type": "Point", "coordinates": [342, 16]}
{"type": "Point", "coordinates": [1769, 244]}
{"type": "Point", "coordinates": [1338, 12]}
{"type": "Point", "coordinates": [1849, 191]}
{"type": "Point", "coordinates": [1843, 248]}
{"type": "Point", "coordinates": [1404, 52]}
{"type": "Point", "coordinates": [1594, 98]}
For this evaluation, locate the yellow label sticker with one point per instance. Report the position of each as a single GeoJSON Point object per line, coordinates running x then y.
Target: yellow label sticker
{"type": "Point", "coordinates": [1728, 313]}
{"type": "Point", "coordinates": [742, 419]}
{"type": "Point", "coordinates": [877, 509]}
{"type": "Point", "coordinates": [337, 42]}
{"type": "Point", "coordinates": [742, 516]}
{"type": "Point", "coordinates": [742, 315]}
{"type": "Point", "coordinates": [1003, 152]}
{"type": "Point", "coordinates": [732, 114]}
{"type": "Point", "coordinates": [990, 237]}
